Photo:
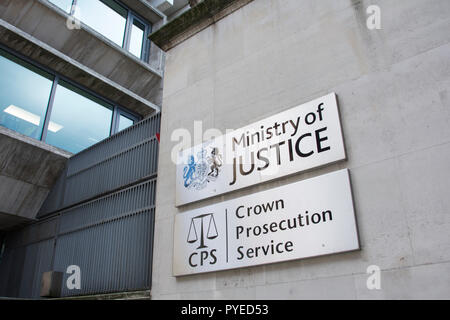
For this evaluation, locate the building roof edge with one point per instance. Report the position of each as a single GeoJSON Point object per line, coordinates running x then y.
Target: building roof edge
{"type": "Point", "coordinates": [193, 21]}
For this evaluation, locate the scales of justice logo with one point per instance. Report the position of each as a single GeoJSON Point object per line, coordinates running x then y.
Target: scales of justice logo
{"type": "Point", "coordinates": [202, 255]}
{"type": "Point", "coordinates": [203, 169]}
{"type": "Point", "coordinates": [211, 233]}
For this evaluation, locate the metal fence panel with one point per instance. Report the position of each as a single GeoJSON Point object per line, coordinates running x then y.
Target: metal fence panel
{"type": "Point", "coordinates": [28, 254]}
{"type": "Point", "coordinates": [12, 266]}
{"type": "Point", "coordinates": [102, 220]}
{"type": "Point", "coordinates": [109, 207]}
{"type": "Point", "coordinates": [123, 140]}
{"type": "Point", "coordinates": [38, 258]}
{"type": "Point", "coordinates": [114, 256]}
{"type": "Point", "coordinates": [121, 169]}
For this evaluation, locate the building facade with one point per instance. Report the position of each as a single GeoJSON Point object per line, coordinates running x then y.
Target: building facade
{"type": "Point", "coordinates": [97, 98]}
{"type": "Point", "coordinates": [252, 60]}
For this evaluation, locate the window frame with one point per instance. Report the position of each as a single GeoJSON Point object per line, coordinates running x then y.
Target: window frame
{"type": "Point", "coordinates": [116, 118]}
{"type": "Point", "coordinates": [131, 16]}
{"type": "Point", "coordinates": [116, 108]}
{"type": "Point", "coordinates": [145, 50]}
{"type": "Point", "coordinates": [30, 66]}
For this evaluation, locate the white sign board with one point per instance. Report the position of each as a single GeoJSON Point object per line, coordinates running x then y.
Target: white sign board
{"type": "Point", "coordinates": [309, 218]}
{"type": "Point", "coordinates": [305, 137]}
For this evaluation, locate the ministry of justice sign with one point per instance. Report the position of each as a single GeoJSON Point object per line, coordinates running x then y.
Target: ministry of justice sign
{"type": "Point", "coordinates": [304, 137]}
{"type": "Point", "coordinates": [309, 218]}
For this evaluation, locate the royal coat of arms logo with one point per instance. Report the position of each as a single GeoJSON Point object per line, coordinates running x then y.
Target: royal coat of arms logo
{"type": "Point", "coordinates": [202, 170]}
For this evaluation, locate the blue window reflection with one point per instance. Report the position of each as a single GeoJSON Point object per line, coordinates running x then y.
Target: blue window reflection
{"type": "Point", "coordinates": [78, 120]}
{"type": "Point", "coordinates": [106, 17]}
{"type": "Point", "coordinates": [66, 5]}
{"type": "Point", "coordinates": [137, 39]}
{"type": "Point", "coordinates": [24, 96]}
{"type": "Point", "coordinates": [109, 18]}
{"type": "Point", "coordinates": [124, 122]}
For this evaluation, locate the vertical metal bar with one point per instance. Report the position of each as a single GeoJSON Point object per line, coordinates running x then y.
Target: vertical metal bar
{"type": "Point", "coordinates": [73, 7]}
{"type": "Point", "coordinates": [114, 121]}
{"type": "Point", "coordinates": [145, 52]}
{"type": "Point", "coordinates": [55, 240]}
{"type": "Point", "coordinates": [128, 26]}
{"type": "Point", "coordinates": [49, 108]}
{"type": "Point", "coordinates": [150, 242]}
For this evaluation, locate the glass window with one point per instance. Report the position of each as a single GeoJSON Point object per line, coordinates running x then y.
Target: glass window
{"type": "Point", "coordinates": [105, 16]}
{"type": "Point", "coordinates": [109, 18]}
{"type": "Point", "coordinates": [137, 39]}
{"type": "Point", "coordinates": [66, 5]}
{"type": "Point", "coordinates": [24, 96]}
{"type": "Point", "coordinates": [124, 122]}
{"type": "Point", "coordinates": [78, 120]}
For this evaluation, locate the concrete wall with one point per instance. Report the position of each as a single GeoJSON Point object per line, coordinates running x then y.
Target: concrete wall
{"type": "Point", "coordinates": [28, 170]}
{"type": "Point", "coordinates": [394, 97]}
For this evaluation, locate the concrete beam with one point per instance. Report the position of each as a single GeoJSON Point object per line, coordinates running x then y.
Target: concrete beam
{"type": "Point", "coordinates": [193, 21]}
{"type": "Point", "coordinates": [162, 4]}
{"type": "Point", "coordinates": [10, 222]}
{"type": "Point", "coordinates": [146, 9]}
{"type": "Point", "coordinates": [28, 170]}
